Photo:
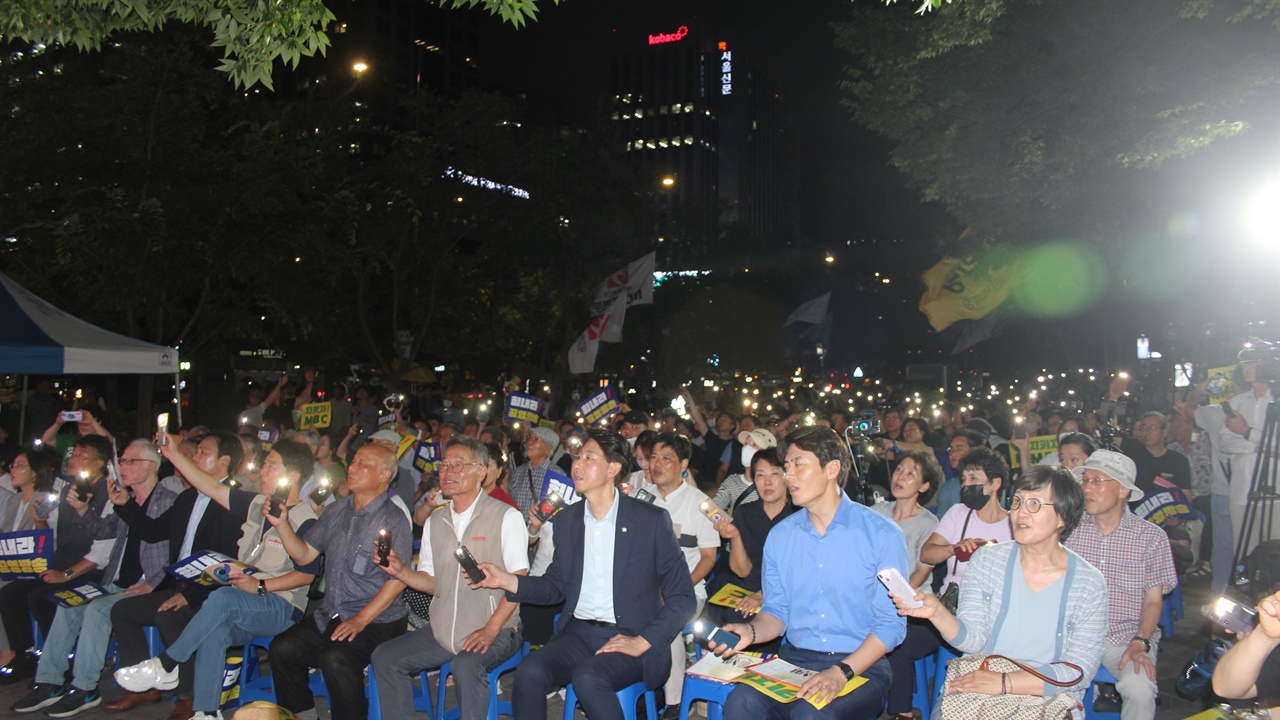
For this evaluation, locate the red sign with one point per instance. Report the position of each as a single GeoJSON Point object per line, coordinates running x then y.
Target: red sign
{"type": "Point", "coordinates": [661, 38]}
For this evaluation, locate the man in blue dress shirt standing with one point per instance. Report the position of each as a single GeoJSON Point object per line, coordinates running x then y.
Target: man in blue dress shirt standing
{"type": "Point", "coordinates": [821, 590]}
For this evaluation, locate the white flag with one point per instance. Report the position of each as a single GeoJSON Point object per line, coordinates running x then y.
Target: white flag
{"type": "Point", "coordinates": [582, 354]}
{"type": "Point", "coordinates": [635, 283]}
{"type": "Point", "coordinates": [814, 311]}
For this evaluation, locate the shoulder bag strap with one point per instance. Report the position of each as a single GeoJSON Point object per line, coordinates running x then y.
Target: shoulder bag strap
{"type": "Point", "coordinates": [954, 562]}
{"type": "Point", "coordinates": [1037, 673]}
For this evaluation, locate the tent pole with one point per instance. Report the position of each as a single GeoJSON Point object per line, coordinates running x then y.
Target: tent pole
{"type": "Point", "coordinates": [22, 419]}
{"type": "Point", "coordinates": [177, 396]}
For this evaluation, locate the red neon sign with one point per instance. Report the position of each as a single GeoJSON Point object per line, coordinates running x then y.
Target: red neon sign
{"type": "Point", "coordinates": [661, 38]}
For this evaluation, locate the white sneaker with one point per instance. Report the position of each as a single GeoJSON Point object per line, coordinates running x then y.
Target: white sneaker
{"type": "Point", "coordinates": [147, 675]}
{"type": "Point", "coordinates": [217, 715]}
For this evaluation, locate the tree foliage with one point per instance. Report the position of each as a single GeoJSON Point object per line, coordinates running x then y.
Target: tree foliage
{"type": "Point", "coordinates": [252, 34]}
{"type": "Point", "coordinates": [1019, 116]}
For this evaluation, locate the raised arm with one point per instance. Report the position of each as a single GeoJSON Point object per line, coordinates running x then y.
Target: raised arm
{"type": "Point", "coordinates": [202, 481]}
{"type": "Point", "coordinates": [698, 421]}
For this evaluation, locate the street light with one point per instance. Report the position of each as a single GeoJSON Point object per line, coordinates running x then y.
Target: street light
{"type": "Point", "coordinates": [830, 258]}
{"type": "Point", "coordinates": [360, 67]}
{"type": "Point", "coordinates": [668, 181]}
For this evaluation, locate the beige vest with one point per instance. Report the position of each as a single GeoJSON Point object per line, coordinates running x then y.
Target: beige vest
{"type": "Point", "coordinates": [266, 552]}
{"type": "Point", "coordinates": [456, 609]}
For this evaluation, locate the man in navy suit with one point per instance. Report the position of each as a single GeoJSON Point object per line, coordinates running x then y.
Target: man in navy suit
{"type": "Point", "coordinates": [624, 583]}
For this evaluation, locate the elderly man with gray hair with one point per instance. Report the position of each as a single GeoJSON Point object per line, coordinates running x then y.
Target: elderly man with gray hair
{"type": "Point", "coordinates": [526, 482]}
{"type": "Point", "coordinates": [134, 568]}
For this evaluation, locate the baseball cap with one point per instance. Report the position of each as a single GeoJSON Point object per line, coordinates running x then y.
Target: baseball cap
{"type": "Point", "coordinates": [635, 417]}
{"type": "Point", "coordinates": [548, 436]}
{"type": "Point", "coordinates": [1117, 466]}
{"type": "Point", "coordinates": [763, 438]}
{"type": "Point", "coordinates": [387, 436]}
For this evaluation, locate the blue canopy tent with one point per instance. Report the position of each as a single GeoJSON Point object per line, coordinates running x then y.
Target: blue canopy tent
{"type": "Point", "coordinates": [38, 338]}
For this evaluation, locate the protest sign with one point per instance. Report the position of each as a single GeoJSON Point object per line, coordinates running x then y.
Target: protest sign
{"type": "Point", "coordinates": [562, 484]}
{"type": "Point", "coordinates": [427, 457]}
{"type": "Point", "coordinates": [522, 408]}
{"type": "Point", "coordinates": [1166, 502]}
{"type": "Point", "coordinates": [316, 415]}
{"type": "Point", "coordinates": [388, 421]}
{"type": "Point", "coordinates": [25, 554]}
{"type": "Point", "coordinates": [1037, 447]}
{"type": "Point", "coordinates": [1220, 387]}
{"type": "Point", "coordinates": [191, 569]}
{"type": "Point", "coordinates": [76, 596]}
{"type": "Point", "coordinates": [599, 406]}
{"type": "Point", "coordinates": [729, 595]}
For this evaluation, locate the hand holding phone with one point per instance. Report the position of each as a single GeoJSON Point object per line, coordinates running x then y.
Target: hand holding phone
{"type": "Point", "coordinates": [469, 564]}
{"type": "Point", "coordinates": [549, 506]}
{"type": "Point", "coordinates": [162, 428]}
{"type": "Point", "coordinates": [1233, 616]}
{"type": "Point", "coordinates": [279, 496]}
{"type": "Point", "coordinates": [71, 416]}
{"type": "Point", "coordinates": [646, 496]}
{"type": "Point", "coordinates": [713, 635]}
{"type": "Point", "coordinates": [899, 587]}
{"type": "Point", "coordinates": [713, 512]}
{"type": "Point", "coordinates": [384, 547]}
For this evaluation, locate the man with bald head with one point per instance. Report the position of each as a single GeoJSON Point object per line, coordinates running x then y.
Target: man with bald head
{"type": "Point", "coordinates": [360, 609]}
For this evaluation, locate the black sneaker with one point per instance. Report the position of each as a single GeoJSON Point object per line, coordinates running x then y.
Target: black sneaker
{"type": "Point", "coordinates": [44, 695]}
{"type": "Point", "coordinates": [74, 702]}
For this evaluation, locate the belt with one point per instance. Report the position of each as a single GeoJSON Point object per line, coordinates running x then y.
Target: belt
{"type": "Point", "coordinates": [597, 623]}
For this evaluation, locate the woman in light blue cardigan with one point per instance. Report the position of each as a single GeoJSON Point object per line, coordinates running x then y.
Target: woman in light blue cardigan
{"type": "Point", "coordinates": [1032, 600]}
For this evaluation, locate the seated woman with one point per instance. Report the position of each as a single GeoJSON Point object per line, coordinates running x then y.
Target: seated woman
{"type": "Point", "coordinates": [914, 481]}
{"type": "Point", "coordinates": [1032, 600]}
{"type": "Point", "coordinates": [746, 534]}
{"type": "Point", "coordinates": [978, 520]}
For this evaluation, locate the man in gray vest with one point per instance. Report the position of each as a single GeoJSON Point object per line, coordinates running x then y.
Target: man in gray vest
{"type": "Point", "coordinates": [474, 629]}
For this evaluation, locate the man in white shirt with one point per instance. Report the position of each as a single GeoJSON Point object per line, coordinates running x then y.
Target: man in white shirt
{"type": "Point", "coordinates": [697, 537]}
{"type": "Point", "coordinates": [1238, 440]}
{"type": "Point", "coordinates": [475, 629]}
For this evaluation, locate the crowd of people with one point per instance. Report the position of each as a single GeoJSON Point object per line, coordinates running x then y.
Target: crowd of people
{"type": "Point", "coordinates": [352, 549]}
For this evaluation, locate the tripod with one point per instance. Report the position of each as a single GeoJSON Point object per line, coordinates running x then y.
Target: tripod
{"type": "Point", "coordinates": [1260, 512]}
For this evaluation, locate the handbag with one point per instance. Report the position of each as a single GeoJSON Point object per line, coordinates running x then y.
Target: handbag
{"type": "Point", "coordinates": [950, 597]}
{"type": "Point", "coordinates": [970, 705]}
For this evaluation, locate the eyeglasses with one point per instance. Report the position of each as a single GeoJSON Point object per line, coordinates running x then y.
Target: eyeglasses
{"type": "Point", "coordinates": [1033, 504]}
{"type": "Point", "coordinates": [455, 467]}
{"type": "Point", "coordinates": [1097, 480]}
{"type": "Point", "coordinates": [128, 462]}
{"type": "Point", "coordinates": [1150, 428]}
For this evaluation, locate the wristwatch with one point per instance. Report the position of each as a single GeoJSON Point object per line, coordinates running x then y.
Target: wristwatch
{"type": "Point", "coordinates": [69, 572]}
{"type": "Point", "coordinates": [847, 669]}
{"type": "Point", "coordinates": [262, 587]}
{"type": "Point", "coordinates": [1146, 642]}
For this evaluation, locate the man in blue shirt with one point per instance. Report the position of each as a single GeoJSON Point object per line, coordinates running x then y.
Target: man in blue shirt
{"type": "Point", "coordinates": [821, 590]}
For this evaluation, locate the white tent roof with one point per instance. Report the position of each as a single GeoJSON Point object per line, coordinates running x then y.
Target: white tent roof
{"type": "Point", "coordinates": [38, 338]}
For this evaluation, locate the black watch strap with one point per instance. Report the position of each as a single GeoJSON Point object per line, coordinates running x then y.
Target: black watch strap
{"type": "Point", "coordinates": [847, 669]}
{"type": "Point", "coordinates": [1146, 642]}
{"type": "Point", "coordinates": [262, 587]}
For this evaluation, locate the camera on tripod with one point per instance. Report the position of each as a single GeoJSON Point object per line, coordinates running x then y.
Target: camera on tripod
{"type": "Point", "coordinates": [1267, 357]}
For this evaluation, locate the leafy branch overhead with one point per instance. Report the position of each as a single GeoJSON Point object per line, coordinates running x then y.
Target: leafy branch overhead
{"type": "Point", "coordinates": [252, 33]}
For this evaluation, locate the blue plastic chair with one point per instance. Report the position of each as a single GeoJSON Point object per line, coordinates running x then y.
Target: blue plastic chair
{"type": "Point", "coordinates": [254, 686]}
{"type": "Point", "coordinates": [628, 696]}
{"type": "Point", "coordinates": [922, 690]}
{"type": "Point", "coordinates": [496, 707]}
{"type": "Point", "coordinates": [1103, 676]}
{"type": "Point", "coordinates": [696, 688]}
{"type": "Point", "coordinates": [1171, 610]}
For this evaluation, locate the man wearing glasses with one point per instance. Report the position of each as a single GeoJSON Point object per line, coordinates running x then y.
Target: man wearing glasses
{"type": "Point", "coordinates": [134, 568]}
{"type": "Point", "coordinates": [526, 482]}
{"type": "Point", "coordinates": [474, 629]}
{"type": "Point", "coordinates": [1137, 563]}
{"type": "Point", "coordinates": [1154, 462]}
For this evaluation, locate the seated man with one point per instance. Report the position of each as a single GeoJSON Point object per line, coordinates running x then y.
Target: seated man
{"type": "Point", "coordinates": [667, 467]}
{"type": "Point", "coordinates": [475, 630]}
{"type": "Point", "coordinates": [360, 609]}
{"type": "Point", "coordinates": [1251, 668]}
{"type": "Point", "coordinates": [134, 568]}
{"type": "Point", "coordinates": [192, 524]}
{"type": "Point", "coordinates": [262, 605]}
{"type": "Point", "coordinates": [1137, 563]}
{"type": "Point", "coordinates": [624, 583]}
{"type": "Point", "coordinates": [837, 617]}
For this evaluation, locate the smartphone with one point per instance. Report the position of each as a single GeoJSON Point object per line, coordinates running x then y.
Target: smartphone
{"type": "Point", "coordinates": [71, 416]}
{"type": "Point", "coordinates": [549, 506]}
{"type": "Point", "coordinates": [469, 564]}
{"type": "Point", "coordinates": [384, 547]}
{"type": "Point", "coordinates": [83, 486]}
{"type": "Point", "coordinates": [713, 635]}
{"type": "Point", "coordinates": [322, 492]}
{"type": "Point", "coordinates": [899, 587]}
{"type": "Point", "coordinates": [46, 505]}
{"type": "Point", "coordinates": [712, 511]}
{"type": "Point", "coordinates": [162, 428]}
{"type": "Point", "coordinates": [1232, 615]}
{"type": "Point", "coordinates": [625, 487]}
{"type": "Point", "coordinates": [278, 498]}
{"type": "Point", "coordinates": [646, 496]}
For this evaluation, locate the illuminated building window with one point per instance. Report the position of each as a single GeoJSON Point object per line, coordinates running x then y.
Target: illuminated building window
{"type": "Point", "coordinates": [688, 108]}
{"type": "Point", "coordinates": [675, 141]}
{"type": "Point", "coordinates": [639, 112]}
{"type": "Point", "coordinates": [649, 144]}
{"type": "Point", "coordinates": [615, 116]}
{"type": "Point", "coordinates": [662, 142]}
{"type": "Point", "coordinates": [688, 139]}
{"type": "Point", "coordinates": [663, 110]}
{"type": "Point", "coordinates": [676, 108]}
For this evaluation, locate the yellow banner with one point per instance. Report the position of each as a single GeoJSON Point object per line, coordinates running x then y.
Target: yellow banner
{"type": "Point", "coordinates": [966, 289]}
{"type": "Point", "coordinates": [406, 442]}
{"type": "Point", "coordinates": [1037, 447]}
{"type": "Point", "coordinates": [316, 415]}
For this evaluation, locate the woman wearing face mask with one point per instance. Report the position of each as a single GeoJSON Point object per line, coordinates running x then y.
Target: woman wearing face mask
{"type": "Point", "coordinates": [976, 521]}
{"type": "Point", "coordinates": [738, 488]}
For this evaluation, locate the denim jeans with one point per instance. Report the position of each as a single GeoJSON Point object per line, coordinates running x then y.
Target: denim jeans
{"type": "Point", "coordinates": [230, 617]}
{"type": "Point", "coordinates": [86, 629]}
{"type": "Point", "coordinates": [864, 703]}
{"type": "Point", "coordinates": [1224, 543]}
